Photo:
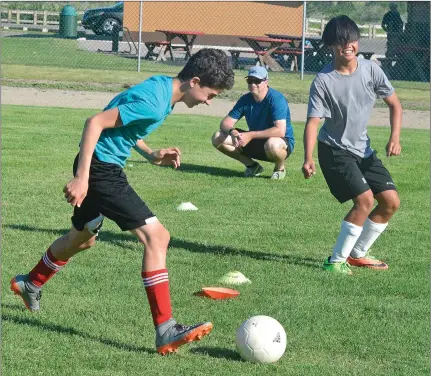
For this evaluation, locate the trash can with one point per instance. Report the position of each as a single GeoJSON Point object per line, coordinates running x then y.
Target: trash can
{"type": "Point", "coordinates": [68, 22]}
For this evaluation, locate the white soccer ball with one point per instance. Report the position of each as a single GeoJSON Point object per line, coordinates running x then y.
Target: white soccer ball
{"type": "Point", "coordinates": [261, 339]}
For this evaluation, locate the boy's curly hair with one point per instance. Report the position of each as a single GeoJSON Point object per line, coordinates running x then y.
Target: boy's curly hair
{"type": "Point", "coordinates": [213, 68]}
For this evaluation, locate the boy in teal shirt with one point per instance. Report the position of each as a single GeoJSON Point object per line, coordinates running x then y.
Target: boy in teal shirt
{"type": "Point", "coordinates": [100, 188]}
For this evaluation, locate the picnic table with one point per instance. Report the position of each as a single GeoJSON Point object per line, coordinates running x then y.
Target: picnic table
{"type": "Point", "coordinates": [264, 47]}
{"type": "Point", "coordinates": [188, 37]}
{"type": "Point", "coordinates": [296, 40]}
{"type": "Point", "coordinates": [316, 57]}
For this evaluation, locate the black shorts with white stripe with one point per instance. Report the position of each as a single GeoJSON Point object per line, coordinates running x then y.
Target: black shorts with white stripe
{"type": "Point", "coordinates": [110, 194]}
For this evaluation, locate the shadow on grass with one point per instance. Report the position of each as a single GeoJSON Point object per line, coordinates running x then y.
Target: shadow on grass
{"type": "Point", "coordinates": [55, 328]}
{"type": "Point", "coordinates": [200, 169]}
{"type": "Point", "coordinates": [229, 251]}
{"type": "Point", "coordinates": [210, 170]}
{"type": "Point", "coordinates": [195, 247]}
{"type": "Point", "coordinates": [217, 352]}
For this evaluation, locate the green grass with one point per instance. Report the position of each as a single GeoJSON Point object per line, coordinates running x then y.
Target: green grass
{"type": "Point", "coordinates": [95, 318]}
{"type": "Point", "coordinates": [57, 63]}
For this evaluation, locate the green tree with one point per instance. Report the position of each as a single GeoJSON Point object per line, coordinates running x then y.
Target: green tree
{"type": "Point", "coordinates": [361, 12]}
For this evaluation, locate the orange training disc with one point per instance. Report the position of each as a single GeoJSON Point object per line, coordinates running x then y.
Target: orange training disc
{"type": "Point", "coordinates": [219, 292]}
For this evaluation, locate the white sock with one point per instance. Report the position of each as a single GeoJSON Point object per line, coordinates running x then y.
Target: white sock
{"type": "Point", "coordinates": [369, 235]}
{"type": "Point", "coordinates": [347, 238]}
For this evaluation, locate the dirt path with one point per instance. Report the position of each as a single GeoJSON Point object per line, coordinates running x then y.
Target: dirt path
{"type": "Point", "coordinates": [219, 107]}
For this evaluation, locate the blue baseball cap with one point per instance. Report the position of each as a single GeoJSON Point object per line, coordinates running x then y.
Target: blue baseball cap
{"type": "Point", "coordinates": [258, 72]}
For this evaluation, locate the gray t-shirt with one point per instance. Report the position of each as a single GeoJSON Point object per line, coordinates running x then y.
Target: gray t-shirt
{"type": "Point", "coordinates": [346, 102]}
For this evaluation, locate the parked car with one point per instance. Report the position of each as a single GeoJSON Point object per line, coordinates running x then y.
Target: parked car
{"type": "Point", "coordinates": [102, 21]}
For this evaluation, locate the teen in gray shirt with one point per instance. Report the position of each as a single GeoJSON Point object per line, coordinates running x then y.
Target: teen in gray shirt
{"type": "Point", "coordinates": [346, 102]}
{"type": "Point", "coordinates": [344, 93]}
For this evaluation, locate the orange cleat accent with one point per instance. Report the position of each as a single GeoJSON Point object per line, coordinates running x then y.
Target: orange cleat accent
{"type": "Point", "coordinates": [193, 335]}
{"type": "Point", "coordinates": [30, 297]}
{"type": "Point", "coordinates": [367, 262]}
{"type": "Point", "coordinates": [16, 290]}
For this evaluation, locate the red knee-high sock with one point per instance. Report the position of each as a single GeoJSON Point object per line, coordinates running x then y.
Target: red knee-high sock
{"type": "Point", "coordinates": [45, 269]}
{"type": "Point", "coordinates": [156, 285]}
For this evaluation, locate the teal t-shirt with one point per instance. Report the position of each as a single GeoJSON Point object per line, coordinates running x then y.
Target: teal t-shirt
{"type": "Point", "coordinates": [142, 108]}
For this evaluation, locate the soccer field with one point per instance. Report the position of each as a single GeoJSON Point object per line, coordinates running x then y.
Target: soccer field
{"type": "Point", "coordinates": [95, 319]}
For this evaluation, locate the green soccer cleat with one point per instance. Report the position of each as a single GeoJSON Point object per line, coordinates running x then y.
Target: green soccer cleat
{"type": "Point", "coordinates": [337, 267]}
{"type": "Point", "coordinates": [178, 335]}
{"type": "Point", "coordinates": [29, 293]}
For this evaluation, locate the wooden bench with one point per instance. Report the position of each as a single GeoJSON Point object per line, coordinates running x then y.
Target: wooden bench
{"type": "Point", "coordinates": [288, 51]}
{"type": "Point", "coordinates": [291, 53]}
{"type": "Point", "coordinates": [160, 55]}
{"type": "Point", "coordinates": [164, 47]}
{"type": "Point", "coordinates": [236, 60]}
{"type": "Point", "coordinates": [265, 59]}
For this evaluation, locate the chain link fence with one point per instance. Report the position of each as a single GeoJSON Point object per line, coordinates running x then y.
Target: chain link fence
{"type": "Point", "coordinates": [161, 36]}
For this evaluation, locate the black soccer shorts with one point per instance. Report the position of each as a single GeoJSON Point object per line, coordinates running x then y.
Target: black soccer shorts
{"type": "Point", "coordinates": [256, 148]}
{"type": "Point", "coordinates": [110, 194]}
{"type": "Point", "coordinates": [349, 175]}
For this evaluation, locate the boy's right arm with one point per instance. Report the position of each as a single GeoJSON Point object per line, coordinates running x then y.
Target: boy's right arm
{"type": "Point", "coordinates": [310, 136]}
{"type": "Point", "coordinates": [76, 189]}
{"type": "Point", "coordinates": [161, 157]}
{"type": "Point", "coordinates": [318, 108]}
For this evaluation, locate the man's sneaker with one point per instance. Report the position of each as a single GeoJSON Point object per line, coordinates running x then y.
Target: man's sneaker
{"type": "Point", "coordinates": [367, 262]}
{"type": "Point", "coordinates": [253, 170]}
{"type": "Point", "coordinates": [30, 295]}
{"type": "Point", "coordinates": [278, 175]}
{"type": "Point", "coordinates": [337, 267]}
{"type": "Point", "coordinates": [178, 335]}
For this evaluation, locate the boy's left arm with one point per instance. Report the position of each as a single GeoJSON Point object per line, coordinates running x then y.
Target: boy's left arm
{"type": "Point", "coordinates": [393, 146]}
{"type": "Point", "coordinates": [161, 157]}
{"type": "Point", "coordinates": [142, 148]}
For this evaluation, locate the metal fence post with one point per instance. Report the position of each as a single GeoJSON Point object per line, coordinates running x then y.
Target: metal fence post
{"type": "Point", "coordinates": [140, 36]}
{"type": "Point", "coordinates": [304, 15]}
